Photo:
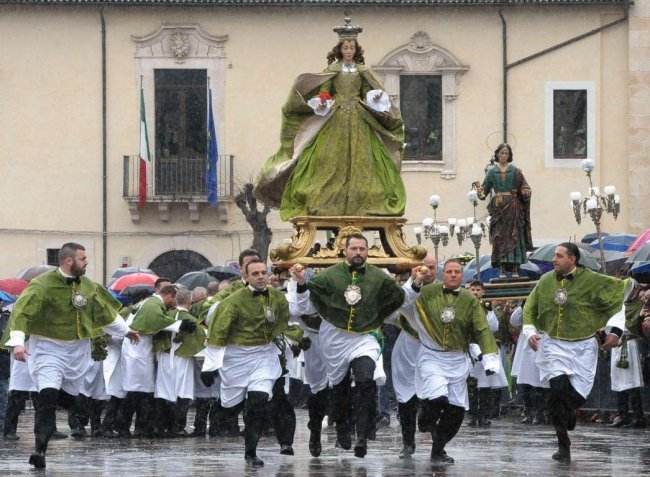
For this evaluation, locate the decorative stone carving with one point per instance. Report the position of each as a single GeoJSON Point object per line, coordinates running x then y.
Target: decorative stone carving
{"type": "Point", "coordinates": [180, 45]}
{"type": "Point", "coordinates": [195, 211]}
{"type": "Point", "coordinates": [421, 56]}
{"type": "Point", "coordinates": [164, 211]}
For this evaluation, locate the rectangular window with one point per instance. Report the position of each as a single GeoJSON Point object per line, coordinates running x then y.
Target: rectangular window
{"type": "Point", "coordinates": [181, 131]}
{"type": "Point", "coordinates": [53, 256]}
{"type": "Point", "coordinates": [421, 106]}
{"type": "Point", "coordinates": [570, 123]}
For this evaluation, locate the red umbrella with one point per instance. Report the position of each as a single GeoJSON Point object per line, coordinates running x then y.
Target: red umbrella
{"type": "Point", "coordinates": [133, 279]}
{"type": "Point", "coordinates": [13, 286]}
{"type": "Point", "coordinates": [639, 242]}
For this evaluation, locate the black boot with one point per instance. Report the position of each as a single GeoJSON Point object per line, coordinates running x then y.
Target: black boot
{"type": "Point", "coordinates": [484, 406]}
{"type": "Point", "coordinates": [407, 415]}
{"type": "Point", "coordinates": [341, 405]}
{"type": "Point", "coordinates": [366, 405]}
{"type": "Point", "coordinates": [283, 417]}
{"type": "Point", "coordinates": [451, 418]}
{"type": "Point", "coordinates": [254, 417]}
{"type": "Point", "coordinates": [44, 424]}
{"type": "Point", "coordinates": [15, 405]}
{"type": "Point", "coordinates": [180, 418]}
{"type": "Point", "coordinates": [201, 416]}
{"type": "Point", "coordinates": [638, 418]}
{"type": "Point", "coordinates": [110, 424]}
{"type": "Point", "coordinates": [316, 405]}
{"type": "Point", "coordinates": [561, 411]}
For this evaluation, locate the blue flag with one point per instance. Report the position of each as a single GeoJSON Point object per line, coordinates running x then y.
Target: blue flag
{"type": "Point", "coordinates": [213, 156]}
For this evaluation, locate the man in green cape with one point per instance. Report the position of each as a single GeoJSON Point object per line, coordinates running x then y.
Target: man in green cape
{"type": "Point", "coordinates": [561, 317]}
{"type": "Point", "coordinates": [241, 345]}
{"type": "Point", "coordinates": [449, 318]}
{"type": "Point", "coordinates": [353, 298]}
{"type": "Point", "coordinates": [61, 311]}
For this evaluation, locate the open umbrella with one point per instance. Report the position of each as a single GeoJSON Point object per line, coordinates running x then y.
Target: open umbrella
{"type": "Point", "coordinates": [120, 272]}
{"type": "Point", "coordinates": [6, 297]}
{"type": "Point", "coordinates": [619, 242]}
{"type": "Point", "coordinates": [133, 289]}
{"type": "Point", "coordinates": [221, 273]}
{"type": "Point", "coordinates": [639, 242]}
{"type": "Point", "coordinates": [640, 271]}
{"type": "Point", "coordinates": [544, 255]}
{"type": "Point", "coordinates": [133, 279]}
{"type": "Point", "coordinates": [123, 299]}
{"type": "Point", "coordinates": [13, 286]}
{"type": "Point", "coordinates": [32, 272]}
{"type": "Point", "coordinates": [199, 278]}
{"type": "Point", "coordinates": [642, 254]}
{"type": "Point", "coordinates": [591, 237]}
{"type": "Point", "coordinates": [532, 270]}
{"type": "Point", "coordinates": [487, 271]}
{"type": "Point", "coordinates": [614, 260]}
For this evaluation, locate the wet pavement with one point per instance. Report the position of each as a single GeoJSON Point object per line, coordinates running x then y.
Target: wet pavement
{"type": "Point", "coordinates": [506, 448]}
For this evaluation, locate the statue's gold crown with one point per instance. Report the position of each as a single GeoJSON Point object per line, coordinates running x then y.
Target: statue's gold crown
{"type": "Point", "coordinates": [347, 31]}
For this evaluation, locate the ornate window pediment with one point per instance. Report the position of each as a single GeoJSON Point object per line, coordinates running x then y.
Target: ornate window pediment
{"type": "Point", "coordinates": [420, 56]}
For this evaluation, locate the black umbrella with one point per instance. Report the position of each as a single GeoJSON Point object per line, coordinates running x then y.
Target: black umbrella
{"type": "Point", "coordinates": [591, 237]}
{"type": "Point", "coordinates": [544, 254]}
{"type": "Point", "coordinates": [192, 280]}
{"type": "Point", "coordinates": [133, 289]}
{"type": "Point", "coordinates": [221, 273]}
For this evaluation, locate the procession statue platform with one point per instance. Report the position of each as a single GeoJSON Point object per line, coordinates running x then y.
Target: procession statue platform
{"type": "Point", "coordinates": [389, 251]}
{"type": "Point", "coordinates": [509, 289]}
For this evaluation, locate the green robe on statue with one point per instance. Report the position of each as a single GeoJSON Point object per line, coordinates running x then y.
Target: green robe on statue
{"type": "Point", "coordinates": [380, 297]}
{"type": "Point", "coordinates": [344, 163]}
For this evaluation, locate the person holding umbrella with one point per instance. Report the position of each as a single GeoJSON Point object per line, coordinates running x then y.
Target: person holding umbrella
{"type": "Point", "coordinates": [61, 311]}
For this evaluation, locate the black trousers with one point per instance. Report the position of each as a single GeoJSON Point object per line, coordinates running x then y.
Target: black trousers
{"type": "Point", "coordinates": [15, 406]}
{"type": "Point", "coordinates": [564, 400]}
{"type": "Point", "coordinates": [365, 405]}
{"type": "Point", "coordinates": [141, 404]}
{"type": "Point", "coordinates": [407, 418]}
{"type": "Point", "coordinates": [205, 409]}
{"type": "Point", "coordinates": [444, 421]}
{"type": "Point", "coordinates": [255, 413]}
{"type": "Point", "coordinates": [282, 414]}
{"type": "Point", "coordinates": [113, 415]}
{"type": "Point", "coordinates": [45, 404]}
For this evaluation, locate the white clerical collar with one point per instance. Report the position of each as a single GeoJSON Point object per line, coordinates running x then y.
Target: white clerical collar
{"type": "Point", "coordinates": [180, 308]}
{"type": "Point", "coordinates": [65, 275]}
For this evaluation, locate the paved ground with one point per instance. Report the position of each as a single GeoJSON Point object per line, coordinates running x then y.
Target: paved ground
{"type": "Point", "coordinates": [507, 448]}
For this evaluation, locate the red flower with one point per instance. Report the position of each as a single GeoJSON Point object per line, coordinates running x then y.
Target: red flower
{"type": "Point", "coordinates": [325, 96]}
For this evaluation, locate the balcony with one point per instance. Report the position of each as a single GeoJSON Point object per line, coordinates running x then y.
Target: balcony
{"type": "Point", "coordinates": [177, 181]}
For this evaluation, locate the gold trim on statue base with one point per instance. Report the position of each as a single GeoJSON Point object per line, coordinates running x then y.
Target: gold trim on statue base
{"type": "Point", "coordinates": [391, 251]}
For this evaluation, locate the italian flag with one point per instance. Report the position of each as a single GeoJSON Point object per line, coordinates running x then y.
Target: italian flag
{"type": "Point", "coordinates": [144, 152]}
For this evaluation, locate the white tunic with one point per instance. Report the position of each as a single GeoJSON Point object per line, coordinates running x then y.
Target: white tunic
{"type": "Point", "coordinates": [174, 374]}
{"type": "Point", "coordinates": [20, 379]}
{"type": "Point", "coordinates": [632, 376]}
{"type": "Point", "coordinates": [93, 383]}
{"type": "Point", "coordinates": [248, 368]}
{"type": "Point", "coordinates": [576, 359]}
{"type": "Point", "coordinates": [314, 371]}
{"type": "Point", "coordinates": [403, 362]}
{"type": "Point", "coordinates": [61, 364]}
{"type": "Point", "coordinates": [113, 368]}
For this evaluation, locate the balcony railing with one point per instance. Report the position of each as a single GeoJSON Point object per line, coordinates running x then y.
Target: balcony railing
{"type": "Point", "coordinates": [177, 179]}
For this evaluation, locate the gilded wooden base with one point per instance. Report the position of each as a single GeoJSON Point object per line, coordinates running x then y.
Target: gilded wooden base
{"type": "Point", "coordinates": [391, 251]}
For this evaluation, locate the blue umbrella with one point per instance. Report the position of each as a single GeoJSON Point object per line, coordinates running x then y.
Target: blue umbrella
{"type": "Point", "coordinates": [618, 242]}
{"type": "Point", "coordinates": [6, 297]}
{"type": "Point", "coordinates": [123, 299]}
{"type": "Point", "coordinates": [640, 271]}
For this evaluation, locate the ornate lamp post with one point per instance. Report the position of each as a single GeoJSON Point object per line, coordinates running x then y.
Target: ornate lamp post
{"type": "Point", "coordinates": [433, 230]}
{"type": "Point", "coordinates": [477, 231]}
{"type": "Point", "coordinates": [595, 204]}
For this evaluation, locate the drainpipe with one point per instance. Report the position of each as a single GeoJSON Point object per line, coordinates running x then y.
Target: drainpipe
{"type": "Point", "coordinates": [104, 155]}
{"type": "Point", "coordinates": [507, 67]}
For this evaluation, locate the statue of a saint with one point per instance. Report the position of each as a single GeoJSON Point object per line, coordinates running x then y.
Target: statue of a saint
{"type": "Point", "coordinates": [509, 210]}
{"type": "Point", "coordinates": [341, 142]}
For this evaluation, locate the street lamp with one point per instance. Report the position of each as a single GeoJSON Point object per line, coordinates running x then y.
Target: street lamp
{"type": "Point", "coordinates": [432, 230]}
{"type": "Point", "coordinates": [595, 204]}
